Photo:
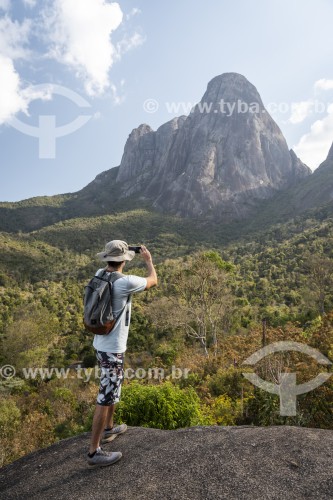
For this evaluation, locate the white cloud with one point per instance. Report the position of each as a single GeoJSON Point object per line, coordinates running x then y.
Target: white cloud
{"type": "Point", "coordinates": [313, 147]}
{"type": "Point", "coordinates": [30, 3]}
{"type": "Point", "coordinates": [300, 111]}
{"type": "Point", "coordinates": [118, 98]}
{"type": "Point", "coordinates": [14, 98]}
{"type": "Point", "coordinates": [323, 84]}
{"type": "Point", "coordinates": [13, 40]}
{"type": "Point", "coordinates": [14, 37]}
{"type": "Point", "coordinates": [10, 100]}
{"type": "Point", "coordinates": [80, 39]}
{"type": "Point", "coordinates": [135, 11]}
{"type": "Point", "coordinates": [4, 5]}
{"type": "Point", "coordinates": [129, 43]}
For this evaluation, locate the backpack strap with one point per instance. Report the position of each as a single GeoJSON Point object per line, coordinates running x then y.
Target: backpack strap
{"type": "Point", "coordinates": [114, 275]}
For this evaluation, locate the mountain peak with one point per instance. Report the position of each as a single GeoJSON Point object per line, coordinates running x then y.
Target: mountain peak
{"type": "Point", "coordinates": [231, 79]}
{"type": "Point", "coordinates": [219, 161]}
{"type": "Point", "coordinates": [231, 86]}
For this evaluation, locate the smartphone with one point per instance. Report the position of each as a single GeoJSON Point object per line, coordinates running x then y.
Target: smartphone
{"type": "Point", "coordinates": [135, 249]}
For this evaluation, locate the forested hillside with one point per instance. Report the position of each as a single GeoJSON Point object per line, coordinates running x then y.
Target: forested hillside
{"type": "Point", "coordinates": [224, 292]}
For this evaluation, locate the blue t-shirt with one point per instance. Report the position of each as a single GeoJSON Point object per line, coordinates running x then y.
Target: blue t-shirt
{"type": "Point", "coordinates": [116, 340]}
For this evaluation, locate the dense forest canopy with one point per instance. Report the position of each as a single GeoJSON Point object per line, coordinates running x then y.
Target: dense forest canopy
{"type": "Point", "coordinates": [223, 293]}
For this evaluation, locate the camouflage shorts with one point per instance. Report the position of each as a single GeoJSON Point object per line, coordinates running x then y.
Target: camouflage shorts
{"type": "Point", "coordinates": [112, 375]}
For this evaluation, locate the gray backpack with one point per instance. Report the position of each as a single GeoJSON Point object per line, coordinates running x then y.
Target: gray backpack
{"type": "Point", "coordinates": [98, 315]}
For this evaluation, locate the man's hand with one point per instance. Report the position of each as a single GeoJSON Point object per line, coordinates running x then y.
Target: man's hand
{"type": "Point", "coordinates": [152, 276]}
{"type": "Point", "coordinates": [146, 254]}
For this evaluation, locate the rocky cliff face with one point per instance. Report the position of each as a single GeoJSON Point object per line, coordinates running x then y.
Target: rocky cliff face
{"type": "Point", "coordinates": [219, 160]}
{"type": "Point", "coordinates": [316, 190]}
{"type": "Point", "coordinates": [330, 153]}
{"type": "Point", "coordinates": [327, 164]}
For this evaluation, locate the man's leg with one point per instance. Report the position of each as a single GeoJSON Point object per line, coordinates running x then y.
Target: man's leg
{"type": "Point", "coordinates": [96, 456]}
{"type": "Point", "coordinates": [111, 431]}
{"type": "Point", "coordinates": [112, 375]}
{"type": "Point", "coordinates": [98, 426]}
{"type": "Point", "coordinates": [109, 416]}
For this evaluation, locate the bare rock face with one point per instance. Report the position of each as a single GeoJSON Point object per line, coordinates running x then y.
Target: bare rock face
{"type": "Point", "coordinates": [328, 163]}
{"type": "Point", "coordinates": [300, 170]}
{"type": "Point", "coordinates": [197, 463]}
{"type": "Point", "coordinates": [220, 160]}
{"type": "Point", "coordinates": [330, 154]}
{"type": "Point", "coordinates": [316, 190]}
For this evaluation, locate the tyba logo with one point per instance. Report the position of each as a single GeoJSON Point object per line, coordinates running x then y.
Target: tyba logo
{"type": "Point", "coordinates": [287, 389]}
{"type": "Point", "coordinates": [47, 132]}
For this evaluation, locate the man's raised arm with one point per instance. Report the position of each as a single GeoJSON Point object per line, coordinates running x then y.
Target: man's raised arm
{"type": "Point", "coordinates": [152, 276]}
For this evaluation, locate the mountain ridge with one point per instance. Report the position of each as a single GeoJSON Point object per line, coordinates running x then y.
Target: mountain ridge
{"type": "Point", "coordinates": [201, 191]}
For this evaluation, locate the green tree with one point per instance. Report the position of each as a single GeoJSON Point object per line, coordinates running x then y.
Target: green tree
{"type": "Point", "coordinates": [27, 341]}
{"type": "Point", "coordinates": [320, 278]}
{"type": "Point", "coordinates": [199, 300]}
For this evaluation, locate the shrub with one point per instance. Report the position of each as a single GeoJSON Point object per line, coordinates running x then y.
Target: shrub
{"type": "Point", "coordinates": [9, 423]}
{"type": "Point", "coordinates": [222, 411]}
{"type": "Point", "coordinates": [230, 382]}
{"type": "Point", "coordinates": [167, 353]}
{"type": "Point", "coordinates": [160, 406]}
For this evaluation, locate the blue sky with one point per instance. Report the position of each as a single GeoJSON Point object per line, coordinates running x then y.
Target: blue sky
{"type": "Point", "coordinates": [104, 60]}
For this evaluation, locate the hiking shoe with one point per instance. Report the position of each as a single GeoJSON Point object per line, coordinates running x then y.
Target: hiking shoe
{"type": "Point", "coordinates": [103, 458]}
{"type": "Point", "coordinates": [110, 434]}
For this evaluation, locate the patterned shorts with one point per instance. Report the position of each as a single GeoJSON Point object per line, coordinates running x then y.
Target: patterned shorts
{"type": "Point", "coordinates": [112, 375]}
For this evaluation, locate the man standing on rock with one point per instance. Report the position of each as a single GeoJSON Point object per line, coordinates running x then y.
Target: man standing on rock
{"type": "Point", "coordinates": [110, 348]}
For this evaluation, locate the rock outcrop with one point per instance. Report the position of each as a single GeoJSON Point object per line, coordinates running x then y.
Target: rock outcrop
{"type": "Point", "coordinates": [219, 160]}
{"type": "Point", "coordinates": [199, 463]}
{"type": "Point", "coordinates": [328, 163]}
